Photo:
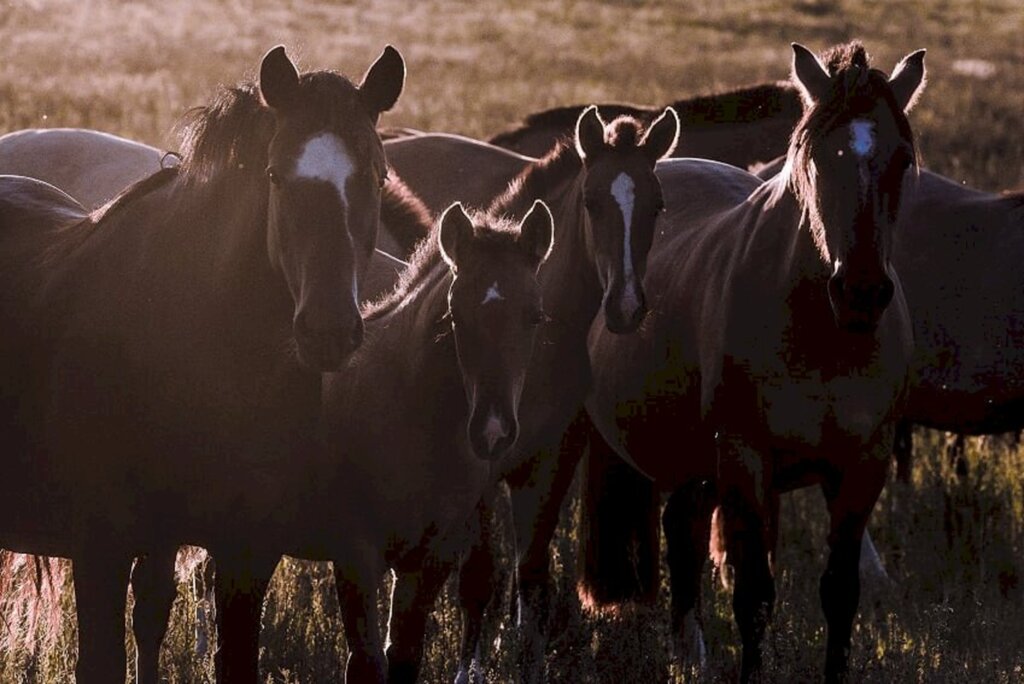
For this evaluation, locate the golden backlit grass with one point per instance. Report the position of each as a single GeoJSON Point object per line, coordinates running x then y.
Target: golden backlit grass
{"type": "Point", "coordinates": [955, 547]}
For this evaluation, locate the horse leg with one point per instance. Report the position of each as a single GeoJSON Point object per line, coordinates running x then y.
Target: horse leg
{"type": "Point", "coordinates": [850, 497]}
{"type": "Point", "coordinates": [154, 586]}
{"type": "Point", "coordinates": [687, 526]}
{"type": "Point", "coordinates": [358, 600]}
{"type": "Point", "coordinates": [241, 586]}
{"type": "Point", "coordinates": [536, 504]}
{"type": "Point", "coordinates": [478, 579]}
{"type": "Point", "coordinates": [412, 600]}
{"type": "Point", "coordinates": [745, 514]}
{"type": "Point", "coordinates": [101, 581]}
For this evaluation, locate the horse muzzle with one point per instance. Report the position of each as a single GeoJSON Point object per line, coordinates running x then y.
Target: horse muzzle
{"type": "Point", "coordinates": [624, 313]}
{"type": "Point", "coordinates": [858, 305]}
{"type": "Point", "coordinates": [326, 349]}
{"type": "Point", "coordinates": [492, 433]}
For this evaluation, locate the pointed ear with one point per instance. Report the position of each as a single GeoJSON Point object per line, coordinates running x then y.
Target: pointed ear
{"type": "Point", "coordinates": [662, 136]}
{"type": "Point", "coordinates": [537, 232]}
{"type": "Point", "coordinates": [810, 75]}
{"type": "Point", "coordinates": [456, 231]}
{"type": "Point", "coordinates": [590, 133]}
{"type": "Point", "coordinates": [383, 81]}
{"type": "Point", "coordinates": [279, 79]}
{"type": "Point", "coordinates": [908, 80]}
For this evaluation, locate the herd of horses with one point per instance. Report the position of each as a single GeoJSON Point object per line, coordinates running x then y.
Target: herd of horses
{"type": "Point", "coordinates": [294, 337]}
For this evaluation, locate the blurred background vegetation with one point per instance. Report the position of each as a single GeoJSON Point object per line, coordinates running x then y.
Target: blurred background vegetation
{"type": "Point", "coordinates": [953, 545]}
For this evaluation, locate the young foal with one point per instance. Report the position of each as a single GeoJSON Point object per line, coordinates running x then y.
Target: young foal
{"type": "Point", "coordinates": [778, 338]}
{"type": "Point", "coordinates": [605, 198]}
{"type": "Point", "coordinates": [448, 352]}
{"type": "Point", "coordinates": [160, 358]}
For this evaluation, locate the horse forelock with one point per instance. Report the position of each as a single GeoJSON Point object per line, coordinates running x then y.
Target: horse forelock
{"type": "Point", "coordinates": [624, 132]}
{"type": "Point", "coordinates": [235, 129]}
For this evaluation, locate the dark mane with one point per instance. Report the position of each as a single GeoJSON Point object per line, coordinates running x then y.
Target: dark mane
{"type": "Point", "coordinates": [536, 179]}
{"type": "Point", "coordinates": [426, 265]}
{"type": "Point", "coordinates": [560, 164]}
{"type": "Point", "coordinates": [404, 213]}
{"type": "Point", "coordinates": [856, 87]}
{"type": "Point", "coordinates": [137, 189]}
{"type": "Point", "coordinates": [235, 129]}
{"type": "Point", "coordinates": [740, 105]}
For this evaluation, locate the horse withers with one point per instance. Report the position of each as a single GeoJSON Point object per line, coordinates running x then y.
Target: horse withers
{"type": "Point", "coordinates": [162, 355]}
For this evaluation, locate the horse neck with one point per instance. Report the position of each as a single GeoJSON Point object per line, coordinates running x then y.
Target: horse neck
{"type": "Point", "coordinates": [413, 341]}
{"type": "Point", "coordinates": [783, 226]}
{"type": "Point", "coordinates": [571, 289]}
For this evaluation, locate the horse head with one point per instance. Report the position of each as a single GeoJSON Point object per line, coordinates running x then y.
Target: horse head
{"type": "Point", "coordinates": [326, 168]}
{"type": "Point", "coordinates": [495, 309]}
{"type": "Point", "coordinates": [623, 201]}
{"type": "Point", "coordinates": [849, 158]}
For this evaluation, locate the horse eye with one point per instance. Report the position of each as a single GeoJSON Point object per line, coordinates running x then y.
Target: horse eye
{"type": "Point", "coordinates": [272, 175]}
{"type": "Point", "coordinates": [383, 180]}
{"type": "Point", "coordinates": [535, 317]}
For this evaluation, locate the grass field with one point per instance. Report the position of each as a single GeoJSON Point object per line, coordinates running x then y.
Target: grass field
{"type": "Point", "coordinates": [954, 546]}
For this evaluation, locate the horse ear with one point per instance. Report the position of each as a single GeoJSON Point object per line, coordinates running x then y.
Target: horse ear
{"type": "Point", "coordinates": [456, 230]}
{"type": "Point", "coordinates": [537, 232]}
{"type": "Point", "coordinates": [908, 80]}
{"type": "Point", "coordinates": [662, 136]}
{"type": "Point", "coordinates": [590, 133]}
{"type": "Point", "coordinates": [279, 79]}
{"type": "Point", "coordinates": [810, 75]}
{"type": "Point", "coordinates": [383, 81]}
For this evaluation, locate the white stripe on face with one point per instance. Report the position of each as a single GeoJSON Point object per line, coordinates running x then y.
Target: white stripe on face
{"type": "Point", "coordinates": [624, 192]}
{"type": "Point", "coordinates": [493, 294]}
{"type": "Point", "coordinates": [325, 158]}
{"type": "Point", "coordinates": [862, 137]}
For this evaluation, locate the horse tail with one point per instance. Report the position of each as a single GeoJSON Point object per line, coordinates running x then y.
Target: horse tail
{"type": "Point", "coordinates": [716, 548]}
{"type": "Point", "coordinates": [619, 531]}
{"type": "Point", "coordinates": [31, 606]}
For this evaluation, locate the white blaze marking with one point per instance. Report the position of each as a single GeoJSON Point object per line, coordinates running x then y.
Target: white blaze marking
{"type": "Point", "coordinates": [325, 158]}
{"type": "Point", "coordinates": [624, 191]}
{"type": "Point", "coordinates": [493, 294]}
{"type": "Point", "coordinates": [494, 430]}
{"type": "Point", "coordinates": [862, 137]}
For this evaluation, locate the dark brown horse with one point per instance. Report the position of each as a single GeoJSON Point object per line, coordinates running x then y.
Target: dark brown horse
{"type": "Point", "coordinates": [740, 127]}
{"type": "Point", "coordinates": [451, 348]}
{"type": "Point", "coordinates": [778, 339]}
{"type": "Point", "coordinates": [162, 356]}
{"type": "Point", "coordinates": [605, 198]}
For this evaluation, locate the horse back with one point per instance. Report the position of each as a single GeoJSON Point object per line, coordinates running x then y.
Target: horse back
{"type": "Point", "coordinates": [474, 172]}
{"type": "Point", "coordinates": [91, 166]}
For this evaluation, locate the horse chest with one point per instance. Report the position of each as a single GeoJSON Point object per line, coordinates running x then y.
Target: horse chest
{"type": "Point", "coordinates": [813, 411]}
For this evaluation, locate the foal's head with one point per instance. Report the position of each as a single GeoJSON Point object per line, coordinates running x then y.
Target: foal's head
{"type": "Point", "coordinates": [623, 201]}
{"type": "Point", "coordinates": [849, 159]}
{"type": "Point", "coordinates": [495, 308]}
{"type": "Point", "coordinates": [326, 167]}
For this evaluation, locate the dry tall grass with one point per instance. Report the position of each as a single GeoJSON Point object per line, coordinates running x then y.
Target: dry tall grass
{"type": "Point", "coordinates": [955, 547]}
